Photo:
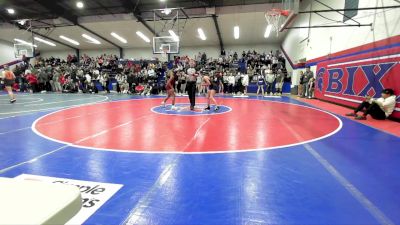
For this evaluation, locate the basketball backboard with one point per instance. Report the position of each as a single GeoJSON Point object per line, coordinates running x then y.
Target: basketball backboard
{"type": "Point", "coordinates": [166, 44]}
{"type": "Point", "coordinates": [21, 50]}
{"type": "Point", "coordinates": [292, 6]}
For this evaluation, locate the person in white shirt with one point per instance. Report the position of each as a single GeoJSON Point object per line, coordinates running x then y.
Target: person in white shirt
{"type": "Point", "coordinates": [120, 80]}
{"type": "Point", "coordinates": [88, 80]}
{"type": "Point", "coordinates": [379, 109]}
{"type": "Point", "coordinates": [231, 83]}
{"type": "Point", "coordinates": [270, 79]}
{"type": "Point", "coordinates": [245, 83]}
{"type": "Point", "coordinates": [151, 72]}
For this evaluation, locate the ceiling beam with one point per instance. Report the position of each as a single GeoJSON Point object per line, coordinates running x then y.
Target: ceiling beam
{"type": "Point", "coordinates": [351, 9]}
{"type": "Point", "coordinates": [28, 28]}
{"type": "Point", "coordinates": [221, 44]}
{"type": "Point", "coordinates": [330, 26]}
{"type": "Point", "coordinates": [58, 10]}
{"type": "Point", "coordinates": [142, 21]}
{"type": "Point", "coordinates": [53, 7]}
{"type": "Point", "coordinates": [133, 8]}
{"type": "Point", "coordinates": [347, 17]}
{"type": "Point", "coordinates": [41, 35]}
{"type": "Point", "coordinates": [184, 13]}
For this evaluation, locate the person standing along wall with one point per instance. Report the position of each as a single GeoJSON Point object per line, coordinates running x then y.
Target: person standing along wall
{"type": "Point", "coordinates": [311, 88]}
{"type": "Point", "coordinates": [269, 78]}
{"type": "Point", "coordinates": [307, 76]}
{"type": "Point", "coordinates": [279, 82]}
{"type": "Point", "coordinates": [301, 82]}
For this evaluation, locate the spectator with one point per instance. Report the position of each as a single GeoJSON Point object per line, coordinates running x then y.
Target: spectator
{"type": "Point", "coordinates": [42, 78]}
{"type": "Point", "coordinates": [270, 79]}
{"type": "Point", "coordinates": [56, 81]}
{"type": "Point", "coordinates": [182, 81]}
{"type": "Point", "coordinates": [120, 79]}
{"type": "Point", "coordinates": [245, 83]}
{"type": "Point", "coordinates": [279, 82]}
{"type": "Point", "coordinates": [225, 81]}
{"type": "Point", "coordinates": [130, 80]}
{"type": "Point", "coordinates": [32, 82]}
{"type": "Point", "coordinates": [72, 74]}
{"type": "Point", "coordinates": [307, 76]}
{"type": "Point", "coordinates": [260, 84]}
{"type": "Point", "coordinates": [231, 83]}
{"type": "Point", "coordinates": [301, 84]}
{"type": "Point", "coordinates": [199, 86]}
{"type": "Point", "coordinates": [124, 86]}
{"type": "Point", "coordinates": [147, 90]}
{"type": "Point", "coordinates": [379, 109]}
{"type": "Point", "coordinates": [311, 87]}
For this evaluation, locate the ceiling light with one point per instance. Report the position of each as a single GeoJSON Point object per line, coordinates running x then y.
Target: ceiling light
{"type": "Point", "coordinates": [79, 4]}
{"type": "Point", "coordinates": [22, 22]}
{"type": "Point", "coordinates": [44, 41]}
{"type": "Point", "coordinates": [10, 11]}
{"type": "Point", "coordinates": [24, 42]}
{"type": "Point", "coordinates": [201, 34]}
{"type": "Point", "coordinates": [166, 11]}
{"type": "Point", "coordinates": [69, 40]}
{"type": "Point", "coordinates": [174, 36]}
{"type": "Point", "coordinates": [91, 39]}
{"type": "Point", "coordinates": [268, 31]}
{"type": "Point", "coordinates": [121, 39]}
{"type": "Point", "coordinates": [144, 37]}
{"type": "Point", "coordinates": [236, 32]}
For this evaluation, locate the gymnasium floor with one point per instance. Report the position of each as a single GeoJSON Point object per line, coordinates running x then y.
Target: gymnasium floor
{"type": "Point", "coordinates": [257, 161]}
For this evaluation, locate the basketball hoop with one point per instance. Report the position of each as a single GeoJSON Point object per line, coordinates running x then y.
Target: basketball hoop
{"type": "Point", "coordinates": [272, 17]}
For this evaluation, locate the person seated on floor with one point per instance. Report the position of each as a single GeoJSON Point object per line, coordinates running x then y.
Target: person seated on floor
{"type": "Point", "coordinates": [379, 109]}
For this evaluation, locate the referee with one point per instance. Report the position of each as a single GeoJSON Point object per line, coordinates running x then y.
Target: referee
{"type": "Point", "coordinates": [191, 85]}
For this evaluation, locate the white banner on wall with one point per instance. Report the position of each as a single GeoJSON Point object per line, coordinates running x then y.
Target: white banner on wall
{"type": "Point", "coordinates": [94, 194]}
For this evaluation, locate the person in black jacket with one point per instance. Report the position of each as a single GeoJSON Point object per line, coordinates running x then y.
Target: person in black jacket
{"type": "Point", "coordinates": [130, 80]}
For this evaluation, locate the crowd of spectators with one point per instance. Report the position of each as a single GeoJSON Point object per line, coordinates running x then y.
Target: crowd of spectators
{"type": "Point", "coordinates": [107, 73]}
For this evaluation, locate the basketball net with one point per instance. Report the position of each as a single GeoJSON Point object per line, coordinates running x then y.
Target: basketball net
{"type": "Point", "coordinates": [272, 16]}
{"type": "Point", "coordinates": [164, 55]}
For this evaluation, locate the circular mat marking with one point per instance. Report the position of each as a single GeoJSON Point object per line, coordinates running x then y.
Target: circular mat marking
{"type": "Point", "coordinates": [183, 109]}
{"type": "Point", "coordinates": [133, 127]}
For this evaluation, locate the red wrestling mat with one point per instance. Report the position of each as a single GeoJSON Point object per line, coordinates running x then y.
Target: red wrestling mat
{"type": "Point", "coordinates": [133, 125]}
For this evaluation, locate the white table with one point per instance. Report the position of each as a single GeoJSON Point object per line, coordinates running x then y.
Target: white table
{"type": "Point", "coordinates": [34, 202]}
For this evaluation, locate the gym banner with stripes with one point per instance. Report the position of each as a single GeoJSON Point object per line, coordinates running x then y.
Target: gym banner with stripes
{"type": "Point", "coordinates": [348, 80]}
